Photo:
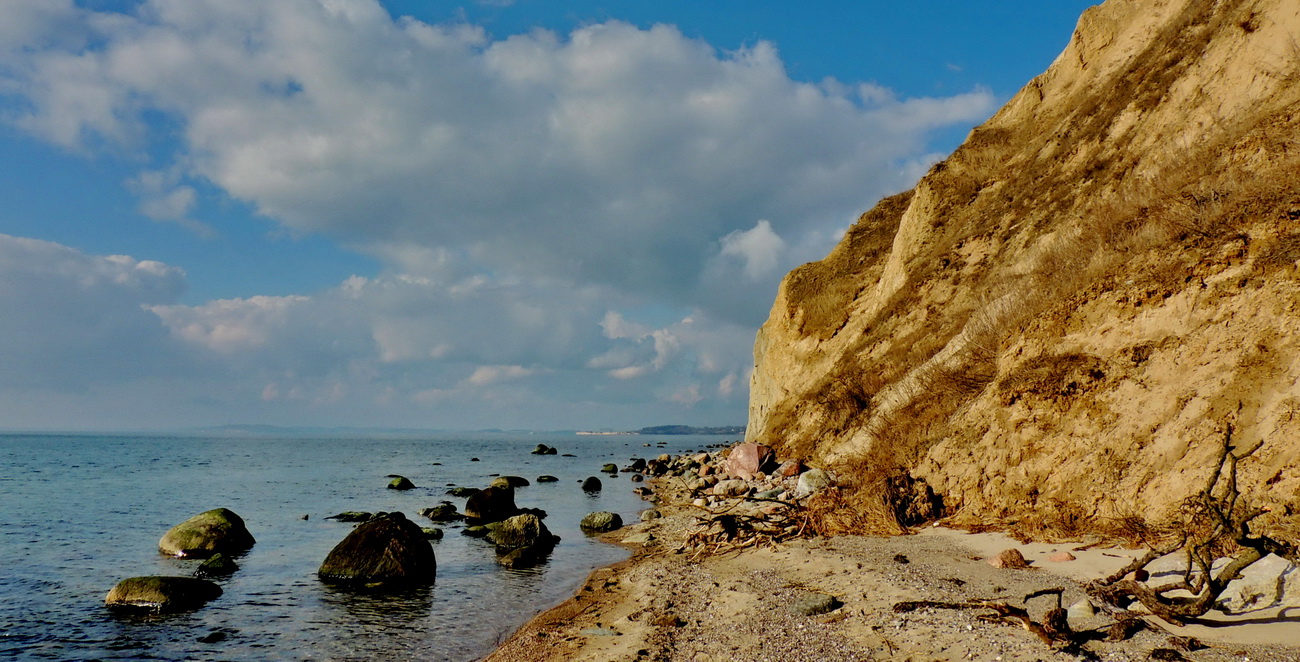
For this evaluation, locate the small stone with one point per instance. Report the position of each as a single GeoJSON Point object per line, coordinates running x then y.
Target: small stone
{"type": "Point", "coordinates": [351, 516]}
{"type": "Point", "coordinates": [639, 539]}
{"type": "Point", "coordinates": [1010, 559]}
{"type": "Point", "coordinates": [510, 481]}
{"type": "Point", "coordinates": [811, 481]}
{"type": "Point", "coordinates": [432, 533]}
{"type": "Point", "coordinates": [650, 515]}
{"type": "Point", "coordinates": [547, 479]}
{"type": "Point", "coordinates": [609, 469]}
{"type": "Point", "coordinates": [1081, 610]}
{"type": "Point", "coordinates": [700, 503]}
{"type": "Point", "coordinates": [811, 604]}
{"type": "Point", "coordinates": [1061, 557]}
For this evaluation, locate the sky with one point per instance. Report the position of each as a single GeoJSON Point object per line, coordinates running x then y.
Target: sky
{"type": "Point", "coordinates": [514, 214]}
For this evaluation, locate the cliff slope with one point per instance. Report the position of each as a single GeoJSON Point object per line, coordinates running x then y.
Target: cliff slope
{"type": "Point", "coordinates": [1061, 325]}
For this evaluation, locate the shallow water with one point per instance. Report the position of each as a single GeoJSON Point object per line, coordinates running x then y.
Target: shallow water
{"type": "Point", "coordinates": [80, 512]}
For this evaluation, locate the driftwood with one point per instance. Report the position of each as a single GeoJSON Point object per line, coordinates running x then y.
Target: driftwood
{"type": "Point", "coordinates": [1054, 630]}
{"type": "Point", "coordinates": [723, 531]}
{"type": "Point", "coordinates": [1213, 522]}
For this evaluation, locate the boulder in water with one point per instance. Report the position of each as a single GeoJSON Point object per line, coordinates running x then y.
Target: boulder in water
{"type": "Point", "coordinates": [510, 481]}
{"type": "Point", "coordinates": [547, 479]}
{"type": "Point", "coordinates": [491, 505]}
{"type": "Point", "coordinates": [401, 483]}
{"type": "Point", "coordinates": [522, 541]}
{"type": "Point", "coordinates": [592, 484]}
{"type": "Point", "coordinates": [205, 534]}
{"type": "Point", "coordinates": [609, 468]}
{"type": "Point", "coordinates": [389, 550]}
{"type": "Point", "coordinates": [161, 594]}
{"type": "Point", "coordinates": [462, 491]}
{"type": "Point", "coordinates": [601, 521]}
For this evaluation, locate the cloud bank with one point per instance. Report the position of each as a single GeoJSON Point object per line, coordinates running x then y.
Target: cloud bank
{"type": "Point", "coordinates": [567, 222]}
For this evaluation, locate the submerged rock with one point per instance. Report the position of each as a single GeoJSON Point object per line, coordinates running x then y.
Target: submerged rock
{"type": "Point", "coordinates": [351, 516]}
{"type": "Point", "coordinates": [443, 512]}
{"type": "Point", "coordinates": [389, 550]}
{"type": "Point", "coordinates": [205, 534]}
{"type": "Point", "coordinates": [547, 479]}
{"type": "Point", "coordinates": [161, 594]}
{"type": "Point", "coordinates": [217, 565]}
{"type": "Point", "coordinates": [462, 491]}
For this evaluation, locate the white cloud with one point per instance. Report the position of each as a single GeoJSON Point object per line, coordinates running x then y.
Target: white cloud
{"type": "Point", "coordinates": [522, 194]}
{"type": "Point", "coordinates": [759, 248]}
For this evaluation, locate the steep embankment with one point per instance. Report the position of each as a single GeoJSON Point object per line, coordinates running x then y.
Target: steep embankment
{"type": "Point", "coordinates": [1058, 328]}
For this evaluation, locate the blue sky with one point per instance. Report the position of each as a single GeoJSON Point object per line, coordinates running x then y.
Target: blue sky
{"type": "Point", "coordinates": [449, 215]}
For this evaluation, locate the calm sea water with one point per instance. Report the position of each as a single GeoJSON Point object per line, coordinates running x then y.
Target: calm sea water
{"type": "Point", "coordinates": [80, 512]}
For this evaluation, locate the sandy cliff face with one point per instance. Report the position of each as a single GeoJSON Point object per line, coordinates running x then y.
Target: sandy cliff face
{"type": "Point", "coordinates": [1059, 327]}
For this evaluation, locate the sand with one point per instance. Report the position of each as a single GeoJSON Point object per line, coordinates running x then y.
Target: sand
{"type": "Point", "coordinates": [663, 605]}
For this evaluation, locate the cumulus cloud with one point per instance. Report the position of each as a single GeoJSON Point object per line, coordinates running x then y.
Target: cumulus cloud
{"type": "Point", "coordinates": [523, 193]}
{"type": "Point", "coordinates": [74, 321]}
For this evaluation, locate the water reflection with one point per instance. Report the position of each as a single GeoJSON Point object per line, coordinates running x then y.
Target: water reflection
{"type": "Point", "coordinates": [362, 607]}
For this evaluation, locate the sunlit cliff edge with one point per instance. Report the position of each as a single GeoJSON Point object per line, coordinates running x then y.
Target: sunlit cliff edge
{"type": "Point", "coordinates": [1059, 327]}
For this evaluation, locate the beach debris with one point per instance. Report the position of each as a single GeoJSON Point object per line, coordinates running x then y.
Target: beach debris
{"type": "Point", "coordinates": [600, 522]}
{"type": "Point", "coordinates": [389, 551]}
{"type": "Point", "coordinates": [1213, 522]}
{"type": "Point", "coordinates": [205, 534]}
{"type": "Point", "coordinates": [161, 594]}
{"type": "Point", "coordinates": [401, 483]}
{"type": "Point", "coordinates": [1010, 559]}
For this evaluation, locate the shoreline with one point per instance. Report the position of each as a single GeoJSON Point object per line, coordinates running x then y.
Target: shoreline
{"type": "Point", "coordinates": [753, 604]}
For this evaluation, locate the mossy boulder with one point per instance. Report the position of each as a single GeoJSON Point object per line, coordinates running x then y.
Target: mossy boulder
{"type": "Point", "coordinates": [389, 550]}
{"type": "Point", "coordinates": [401, 483]}
{"type": "Point", "coordinates": [601, 521]}
{"type": "Point", "coordinates": [217, 565]}
{"type": "Point", "coordinates": [161, 594]}
{"type": "Point", "coordinates": [522, 541]}
{"type": "Point", "coordinates": [205, 534]}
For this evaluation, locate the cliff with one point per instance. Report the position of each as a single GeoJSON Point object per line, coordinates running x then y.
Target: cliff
{"type": "Point", "coordinates": [1064, 322]}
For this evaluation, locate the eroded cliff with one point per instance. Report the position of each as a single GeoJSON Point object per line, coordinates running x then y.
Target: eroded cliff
{"type": "Point", "coordinates": [1060, 326]}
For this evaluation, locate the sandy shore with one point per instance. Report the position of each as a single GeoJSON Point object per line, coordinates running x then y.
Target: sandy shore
{"type": "Point", "coordinates": [748, 605]}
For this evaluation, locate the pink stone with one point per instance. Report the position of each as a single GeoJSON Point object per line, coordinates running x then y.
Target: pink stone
{"type": "Point", "coordinates": [1061, 557]}
{"type": "Point", "coordinates": [748, 459]}
{"type": "Point", "coordinates": [1011, 559]}
{"type": "Point", "coordinates": [790, 468]}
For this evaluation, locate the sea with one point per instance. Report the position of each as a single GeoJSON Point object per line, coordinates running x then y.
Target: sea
{"type": "Point", "coordinates": [79, 512]}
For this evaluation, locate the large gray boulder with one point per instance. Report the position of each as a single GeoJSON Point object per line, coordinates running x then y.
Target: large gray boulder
{"type": "Point", "coordinates": [491, 505]}
{"type": "Point", "coordinates": [389, 550]}
{"type": "Point", "coordinates": [161, 594]}
{"type": "Point", "coordinates": [205, 534]}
